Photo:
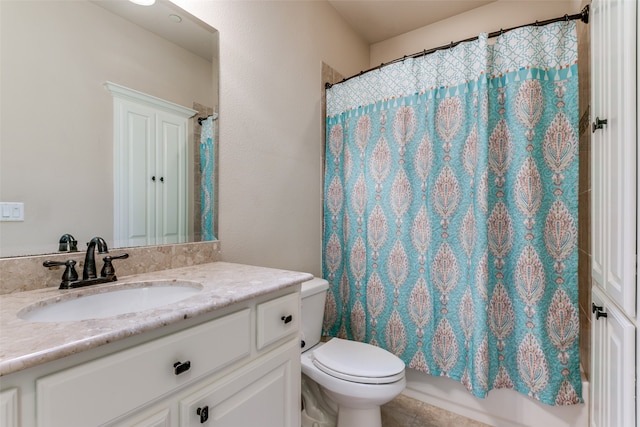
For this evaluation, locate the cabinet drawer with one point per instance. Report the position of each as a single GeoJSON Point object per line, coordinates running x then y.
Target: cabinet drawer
{"type": "Point", "coordinates": [277, 319]}
{"type": "Point", "coordinates": [99, 391]}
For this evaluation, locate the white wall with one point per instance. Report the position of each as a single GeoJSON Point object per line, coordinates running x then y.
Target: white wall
{"type": "Point", "coordinates": [270, 183]}
{"type": "Point", "coordinates": [488, 18]}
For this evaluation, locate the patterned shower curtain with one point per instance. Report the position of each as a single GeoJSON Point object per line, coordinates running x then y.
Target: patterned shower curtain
{"type": "Point", "coordinates": [450, 224]}
{"type": "Point", "coordinates": [207, 161]}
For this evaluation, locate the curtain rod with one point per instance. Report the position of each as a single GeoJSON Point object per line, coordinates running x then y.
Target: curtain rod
{"type": "Point", "coordinates": [202, 119]}
{"type": "Point", "coordinates": [583, 16]}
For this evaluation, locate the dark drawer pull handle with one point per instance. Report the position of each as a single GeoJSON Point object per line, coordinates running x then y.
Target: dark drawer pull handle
{"type": "Point", "coordinates": [286, 319]}
{"type": "Point", "coordinates": [204, 414]}
{"type": "Point", "coordinates": [180, 367]}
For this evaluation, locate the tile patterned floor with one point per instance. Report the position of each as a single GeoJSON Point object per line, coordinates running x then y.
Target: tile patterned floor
{"type": "Point", "coordinates": [404, 411]}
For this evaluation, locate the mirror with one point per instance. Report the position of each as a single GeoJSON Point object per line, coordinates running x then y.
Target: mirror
{"type": "Point", "coordinates": [57, 116]}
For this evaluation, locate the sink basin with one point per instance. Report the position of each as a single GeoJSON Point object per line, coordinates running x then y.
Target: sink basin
{"type": "Point", "coordinates": [136, 297]}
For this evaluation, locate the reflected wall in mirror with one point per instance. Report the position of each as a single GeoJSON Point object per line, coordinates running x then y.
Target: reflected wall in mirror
{"type": "Point", "coordinates": [56, 129]}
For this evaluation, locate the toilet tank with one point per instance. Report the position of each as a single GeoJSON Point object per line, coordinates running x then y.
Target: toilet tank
{"type": "Point", "coordinates": [313, 296]}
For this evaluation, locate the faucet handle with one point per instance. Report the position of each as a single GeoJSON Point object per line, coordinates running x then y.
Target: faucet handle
{"type": "Point", "coordinates": [107, 268]}
{"type": "Point", "coordinates": [70, 274]}
{"type": "Point", "coordinates": [67, 243]}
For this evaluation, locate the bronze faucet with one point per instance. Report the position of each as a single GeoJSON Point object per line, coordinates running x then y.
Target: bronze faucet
{"type": "Point", "coordinates": [89, 271]}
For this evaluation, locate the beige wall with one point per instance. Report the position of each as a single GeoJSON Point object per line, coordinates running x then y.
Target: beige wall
{"type": "Point", "coordinates": [271, 54]}
{"type": "Point", "coordinates": [56, 144]}
{"type": "Point", "coordinates": [488, 18]}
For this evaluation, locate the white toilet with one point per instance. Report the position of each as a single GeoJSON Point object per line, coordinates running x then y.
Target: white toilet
{"type": "Point", "coordinates": [342, 379]}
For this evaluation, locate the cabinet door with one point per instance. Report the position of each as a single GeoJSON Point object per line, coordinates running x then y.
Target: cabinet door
{"type": "Point", "coordinates": [613, 366]}
{"type": "Point", "coordinates": [151, 169]}
{"type": "Point", "coordinates": [171, 157]}
{"type": "Point", "coordinates": [265, 393]}
{"type": "Point", "coordinates": [613, 47]}
{"type": "Point", "coordinates": [134, 169]}
{"type": "Point", "coordinates": [160, 416]}
{"type": "Point", "coordinates": [9, 408]}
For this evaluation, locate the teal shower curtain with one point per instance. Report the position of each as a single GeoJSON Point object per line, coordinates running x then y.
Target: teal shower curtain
{"type": "Point", "coordinates": [450, 212]}
{"type": "Point", "coordinates": [207, 162]}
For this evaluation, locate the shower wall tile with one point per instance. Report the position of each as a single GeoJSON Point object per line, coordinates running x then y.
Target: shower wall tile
{"type": "Point", "coordinates": [584, 295]}
{"type": "Point", "coordinates": [584, 196]}
{"type": "Point", "coordinates": [584, 221]}
{"type": "Point", "coordinates": [27, 273]}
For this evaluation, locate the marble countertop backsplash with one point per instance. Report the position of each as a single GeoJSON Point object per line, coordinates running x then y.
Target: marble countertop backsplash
{"type": "Point", "coordinates": [24, 344]}
{"type": "Point", "coordinates": [19, 274]}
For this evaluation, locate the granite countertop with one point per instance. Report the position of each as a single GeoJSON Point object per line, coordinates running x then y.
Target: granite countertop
{"type": "Point", "coordinates": [24, 344]}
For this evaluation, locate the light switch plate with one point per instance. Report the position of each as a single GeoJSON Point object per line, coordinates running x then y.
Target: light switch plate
{"type": "Point", "coordinates": [11, 211]}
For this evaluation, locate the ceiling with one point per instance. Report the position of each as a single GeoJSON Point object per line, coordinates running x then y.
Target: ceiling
{"type": "Point", "coordinates": [378, 20]}
{"type": "Point", "coordinates": [168, 21]}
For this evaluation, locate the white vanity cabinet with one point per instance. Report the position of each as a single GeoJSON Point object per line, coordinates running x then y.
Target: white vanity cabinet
{"type": "Point", "coordinates": [209, 374]}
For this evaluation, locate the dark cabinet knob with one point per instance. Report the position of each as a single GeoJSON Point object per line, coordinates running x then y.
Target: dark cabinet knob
{"type": "Point", "coordinates": [598, 310]}
{"type": "Point", "coordinates": [286, 319]}
{"type": "Point", "coordinates": [181, 367]}
{"type": "Point", "coordinates": [203, 413]}
{"type": "Point", "coordinates": [598, 124]}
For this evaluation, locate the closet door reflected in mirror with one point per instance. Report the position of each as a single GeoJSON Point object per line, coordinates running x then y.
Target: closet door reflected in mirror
{"type": "Point", "coordinates": [151, 169]}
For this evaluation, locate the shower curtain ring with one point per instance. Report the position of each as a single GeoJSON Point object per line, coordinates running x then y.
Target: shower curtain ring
{"type": "Point", "coordinates": [566, 17]}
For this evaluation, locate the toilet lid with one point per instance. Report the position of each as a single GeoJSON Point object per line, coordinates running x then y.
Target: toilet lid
{"type": "Point", "coordinates": [358, 362]}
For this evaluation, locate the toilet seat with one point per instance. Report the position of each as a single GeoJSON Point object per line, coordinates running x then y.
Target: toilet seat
{"type": "Point", "coordinates": [358, 362]}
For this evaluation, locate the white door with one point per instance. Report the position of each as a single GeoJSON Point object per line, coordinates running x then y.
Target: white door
{"type": "Point", "coordinates": [613, 39]}
{"type": "Point", "coordinates": [151, 169]}
{"type": "Point", "coordinates": [134, 172]}
{"type": "Point", "coordinates": [171, 160]}
{"type": "Point", "coordinates": [614, 214]}
{"type": "Point", "coordinates": [613, 365]}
